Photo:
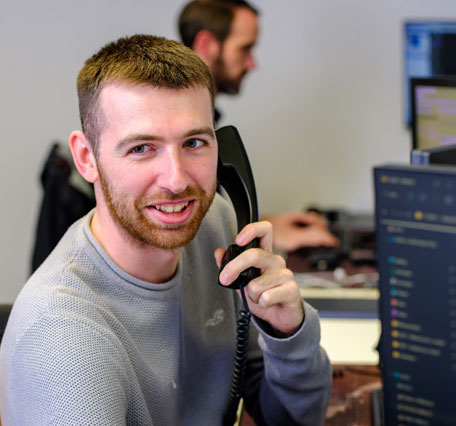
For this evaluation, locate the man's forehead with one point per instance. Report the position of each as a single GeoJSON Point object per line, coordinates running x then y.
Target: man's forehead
{"type": "Point", "coordinates": [245, 24]}
{"type": "Point", "coordinates": [128, 102]}
{"type": "Point", "coordinates": [125, 91]}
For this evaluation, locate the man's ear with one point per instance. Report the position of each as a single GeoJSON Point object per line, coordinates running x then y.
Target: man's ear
{"type": "Point", "coordinates": [83, 157]}
{"type": "Point", "coordinates": [207, 46]}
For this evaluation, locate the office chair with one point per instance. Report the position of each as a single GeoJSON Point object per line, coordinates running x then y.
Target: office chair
{"type": "Point", "coordinates": [66, 198]}
{"type": "Point", "coordinates": [5, 310]}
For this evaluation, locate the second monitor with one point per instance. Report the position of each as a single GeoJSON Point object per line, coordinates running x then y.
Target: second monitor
{"type": "Point", "coordinates": [433, 112]}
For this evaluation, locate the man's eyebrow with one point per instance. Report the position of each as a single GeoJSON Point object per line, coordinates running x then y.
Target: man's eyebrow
{"type": "Point", "coordinates": [206, 130]}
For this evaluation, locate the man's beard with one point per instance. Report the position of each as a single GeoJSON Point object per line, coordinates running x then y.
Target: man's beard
{"type": "Point", "coordinates": [141, 228]}
{"type": "Point", "coordinates": [223, 83]}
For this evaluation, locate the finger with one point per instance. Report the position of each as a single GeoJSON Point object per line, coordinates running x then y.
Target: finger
{"type": "Point", "coordinates": [261, 259]}
{"type": "Point", "coordinates": [284, 294]}
{"type": "Point", "coordinates": [318, 237]}
{"type": "Point", "coordinates": [316, 219]}
{"type": "Point", "coordinates": [261, 230]}
{"type": "Point", "coordinates": [218, 254]}
{"type": "Point", "coordinates": [268, 281]}
{"type": "Point", "coordinates": [305, 218]}
{"type": "Point", "coordinates": [282, 307]}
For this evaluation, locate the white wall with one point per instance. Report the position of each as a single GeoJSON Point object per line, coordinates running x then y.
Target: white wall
{"type": "Point", "coordinates": [324, 106]}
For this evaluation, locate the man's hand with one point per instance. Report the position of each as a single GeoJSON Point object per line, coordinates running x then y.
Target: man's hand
{"type": "Point", "coordinates": [274, 295]}
{"type": "Point", "coordinates": [293, 230]}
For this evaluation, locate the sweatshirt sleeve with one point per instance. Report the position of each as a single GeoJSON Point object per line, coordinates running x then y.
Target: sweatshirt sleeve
{"type": "Point", "coordinates": [291, 385]}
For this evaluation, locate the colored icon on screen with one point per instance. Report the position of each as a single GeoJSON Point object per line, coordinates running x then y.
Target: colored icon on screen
{"type": "Point", "coordinates": [418, 215]}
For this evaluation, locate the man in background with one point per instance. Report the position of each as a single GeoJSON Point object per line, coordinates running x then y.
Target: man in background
{"type": "Point", "coordinates": [223, 33]}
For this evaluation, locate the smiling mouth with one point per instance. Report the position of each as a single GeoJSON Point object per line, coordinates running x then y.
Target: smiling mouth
{"type": "Point", "coordinates": [171, 208]}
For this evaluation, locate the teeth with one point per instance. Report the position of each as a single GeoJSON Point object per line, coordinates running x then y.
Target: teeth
{"type": "Point", "coordinates": [174, 208]}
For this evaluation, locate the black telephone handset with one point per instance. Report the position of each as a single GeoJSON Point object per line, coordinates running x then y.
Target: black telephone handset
{"type": "Point", "coordinates": [235, 176]}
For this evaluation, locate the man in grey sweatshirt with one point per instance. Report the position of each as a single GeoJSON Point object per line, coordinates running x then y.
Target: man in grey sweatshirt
{"type": "Point", "coordinates": [124, 323]}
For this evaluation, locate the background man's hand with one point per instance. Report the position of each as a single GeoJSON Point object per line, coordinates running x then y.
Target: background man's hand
{"type": "Point", "coordinates": [293, 230]}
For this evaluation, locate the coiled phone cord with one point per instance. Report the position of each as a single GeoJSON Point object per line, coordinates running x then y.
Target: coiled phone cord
{"type": "Point", "coordinates": [240, 361]}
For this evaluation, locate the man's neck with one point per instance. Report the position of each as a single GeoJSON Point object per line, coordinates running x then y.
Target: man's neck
{"type": "Point", "coordinates": [147, 263]}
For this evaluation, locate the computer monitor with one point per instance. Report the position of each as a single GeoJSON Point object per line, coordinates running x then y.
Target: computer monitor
{"type": "Point", "coordinates": [433, 111]}
{"type": "Point", "coordinates": [444, 155]}
{"type": "Point", "coordinates": [429, 47]}
{"type": "Point", "coordinates": [416, 247]}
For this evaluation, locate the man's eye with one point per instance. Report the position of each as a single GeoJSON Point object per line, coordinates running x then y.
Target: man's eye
{"type": "Point", "coordinates": [194, 143]}
{"type": "Point", "coordinates": [140, 149]}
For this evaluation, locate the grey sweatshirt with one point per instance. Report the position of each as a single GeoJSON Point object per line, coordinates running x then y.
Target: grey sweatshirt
{"type": "Point", "coordinates": [89, 344]}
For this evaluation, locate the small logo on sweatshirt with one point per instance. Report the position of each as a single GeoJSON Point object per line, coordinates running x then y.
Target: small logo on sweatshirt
{"type": "Point", "coordinates": [216, 319]}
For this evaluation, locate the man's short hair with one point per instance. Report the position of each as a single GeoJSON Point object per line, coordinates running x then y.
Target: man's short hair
{"type": "Point", "coordinates": [138, 59]}
{"type": "Point", "coordinates": [215, 16]}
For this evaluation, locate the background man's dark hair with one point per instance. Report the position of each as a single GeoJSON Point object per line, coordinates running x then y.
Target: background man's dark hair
{"type": "Point", "coordinates": [138, 59]}
{"type": "Point", "coordinates": [212, 15]}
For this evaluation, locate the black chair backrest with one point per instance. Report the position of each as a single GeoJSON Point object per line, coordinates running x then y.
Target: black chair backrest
{"type": "Point", "coordinates": [4, 314]}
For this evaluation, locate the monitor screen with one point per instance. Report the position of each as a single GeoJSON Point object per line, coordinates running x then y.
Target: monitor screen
{"type": "Point", "coordinates": [416, 244]}
{"type": "Point", "coordinates": [433, 112]}
{"type": "Point", "coordinates": [429, 48]}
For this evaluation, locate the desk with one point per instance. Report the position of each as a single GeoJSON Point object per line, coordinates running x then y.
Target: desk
{"type": "Point", "coordinates": [349, 291]}
{"type": "Point", "coordinates": [350, 342]}
{"type": "Point", "coordinates": [350, 331]}
{"type": "Point", "coordinates": [348, 309]}
{"type": "Point", "coordinates": [351, 402]}
{"type": "Point", "coordinates": [351, 396]}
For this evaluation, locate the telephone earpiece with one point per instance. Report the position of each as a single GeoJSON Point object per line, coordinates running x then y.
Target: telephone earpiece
{"type": "Point", "coordinates": [235, 176]}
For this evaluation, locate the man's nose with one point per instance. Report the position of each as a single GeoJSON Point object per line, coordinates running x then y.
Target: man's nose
{"type": "Point", "coordinates": [250, 62]}
{"type": "Point", "coordinates": [174, 175]}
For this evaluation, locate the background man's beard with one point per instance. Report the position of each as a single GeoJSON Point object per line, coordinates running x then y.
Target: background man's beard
{"type": "Point", "coordinates": [223, 83]}
{"type": "Point", "coordinates": [141, 229]}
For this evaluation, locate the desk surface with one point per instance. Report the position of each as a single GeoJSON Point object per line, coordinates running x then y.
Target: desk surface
{"type": "Point", "coordinates": [351, 396]}
{"type": "Point", "coordinates": [350, 341]}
